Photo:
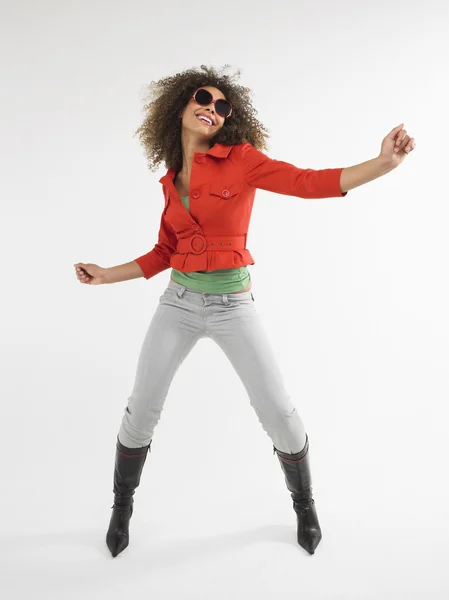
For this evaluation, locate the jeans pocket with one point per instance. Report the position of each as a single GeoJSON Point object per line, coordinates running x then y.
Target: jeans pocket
{"type": "Point", "coordinates": [168, 294]}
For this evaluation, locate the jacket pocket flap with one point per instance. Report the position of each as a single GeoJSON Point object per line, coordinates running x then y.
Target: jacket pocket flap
{"type": "Point", "coordinates": [223, 190]}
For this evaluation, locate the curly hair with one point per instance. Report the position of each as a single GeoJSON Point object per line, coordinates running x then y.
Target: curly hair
{"type": "Point", "coordinates": [160, 132]}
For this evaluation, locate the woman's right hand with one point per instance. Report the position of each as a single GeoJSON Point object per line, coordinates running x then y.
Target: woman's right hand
{"type": "Point", "coordinates": [90, 273]}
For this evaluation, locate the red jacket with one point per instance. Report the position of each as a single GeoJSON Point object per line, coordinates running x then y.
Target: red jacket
{"type": "Point", "coordinates": [223, 184]}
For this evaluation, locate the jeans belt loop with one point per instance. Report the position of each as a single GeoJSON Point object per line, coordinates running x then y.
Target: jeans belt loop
{"type": "Point", "coordinates": [181, 291]}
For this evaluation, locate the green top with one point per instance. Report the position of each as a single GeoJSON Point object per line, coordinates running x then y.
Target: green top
{"type": "Point", "coordinates": [222, 281]}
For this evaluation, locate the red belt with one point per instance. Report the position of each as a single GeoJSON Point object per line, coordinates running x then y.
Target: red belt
{"type": "Point", "coordinates": [199, 243]}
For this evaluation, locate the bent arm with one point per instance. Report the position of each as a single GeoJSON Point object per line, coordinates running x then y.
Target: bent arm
{"type": "Point", "coordinates": [158, 259]}
{"type": "Point", "coordinates": [149, 264]}
{"type": "Point", "coordinates": [130, 270]}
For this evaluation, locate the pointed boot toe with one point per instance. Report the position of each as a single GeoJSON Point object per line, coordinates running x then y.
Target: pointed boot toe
{"type": "Point", "coordinates": [117, 537]}
{"type": "Point", "coordinates": [309, 531]}
{"type": "Point", "coordinates": [309, 543]}
{"type": "Point", "coordinates": [117, 543]}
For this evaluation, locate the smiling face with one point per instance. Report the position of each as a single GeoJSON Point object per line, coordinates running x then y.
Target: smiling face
{"type": "Point", "coordinates": [196, 118]}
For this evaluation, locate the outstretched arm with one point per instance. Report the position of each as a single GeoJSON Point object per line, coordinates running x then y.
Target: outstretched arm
{"type": "Point", "coordinates": [395, 147]}
{"type": "Point", "coordinates": [352, 177]}
{"type": "Point", "coordinates": [281, 177]}
{"type": "Point", "coordinates": [263, 172]}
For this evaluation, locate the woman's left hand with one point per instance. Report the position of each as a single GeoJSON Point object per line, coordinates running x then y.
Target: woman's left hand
{"type": "Point", "coordinates": [395, 146]}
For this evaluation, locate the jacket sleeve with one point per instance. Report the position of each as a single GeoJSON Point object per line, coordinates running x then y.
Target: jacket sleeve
{"type": "Point", "coordinates": [266, 173]}
{"type": "Point", "coordinates": [158, 259]}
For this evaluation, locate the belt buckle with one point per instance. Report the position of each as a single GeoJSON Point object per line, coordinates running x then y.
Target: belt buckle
{"type": "Point", "coordinates": [198, 243]}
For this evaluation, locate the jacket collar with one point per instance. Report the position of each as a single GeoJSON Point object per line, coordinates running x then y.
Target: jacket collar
{"type": "Point", "coordinates": [217, 150]}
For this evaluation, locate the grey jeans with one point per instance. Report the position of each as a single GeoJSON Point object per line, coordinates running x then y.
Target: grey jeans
{"type": "Point", "coordinates": [184, 316]}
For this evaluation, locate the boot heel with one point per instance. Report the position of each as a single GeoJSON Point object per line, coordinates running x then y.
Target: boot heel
{"type": "Point", "coordinates": [129, 464]}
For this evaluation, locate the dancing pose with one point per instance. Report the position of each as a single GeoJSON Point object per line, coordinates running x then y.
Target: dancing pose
{"type": "Point", "coordinates": [202, 125]}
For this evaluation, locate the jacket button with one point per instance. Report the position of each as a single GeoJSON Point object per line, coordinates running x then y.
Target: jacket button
{"type": "Point", "coordinates": [199, 158]}
{"type": "Point", "coordinates": [196, 194]}
{"type": "Point", "coordinates": [225, 193]}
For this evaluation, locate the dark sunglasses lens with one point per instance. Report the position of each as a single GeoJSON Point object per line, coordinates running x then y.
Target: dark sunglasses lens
{"type": "Point", "coordinates": [203, 97]}
{"type": "Point", "coordinates": [223, 108]}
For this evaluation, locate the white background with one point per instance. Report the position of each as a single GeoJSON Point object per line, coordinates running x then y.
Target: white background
{"type": "Point", "coordinates": [353, 292]}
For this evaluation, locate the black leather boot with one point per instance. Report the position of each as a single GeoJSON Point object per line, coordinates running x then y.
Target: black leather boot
{"type": "Point", "coordinates": [128, 469]}
{"type": "Point", "coordinates": [296, 469]}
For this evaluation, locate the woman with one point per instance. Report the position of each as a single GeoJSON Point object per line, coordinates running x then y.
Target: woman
{"type": "Point", "coordinates": [202, 125]}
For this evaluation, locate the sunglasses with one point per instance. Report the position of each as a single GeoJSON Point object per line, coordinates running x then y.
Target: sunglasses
{"type": "Point", "coordinates": [222, 107]}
